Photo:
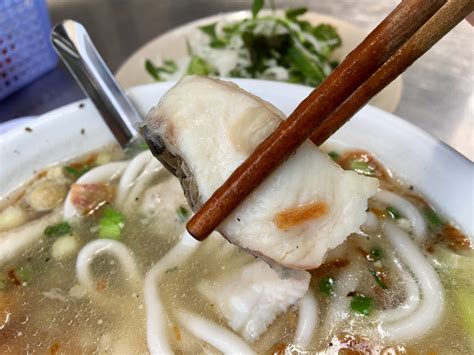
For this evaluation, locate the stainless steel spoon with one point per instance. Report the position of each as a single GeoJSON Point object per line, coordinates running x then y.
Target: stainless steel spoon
{"type": "Point", "coordinates": [73, 44]}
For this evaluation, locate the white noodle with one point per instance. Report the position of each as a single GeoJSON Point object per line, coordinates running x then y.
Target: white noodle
{"type": "Point", "coordinates": [101, 174]}
{"type": "Point", "coordinates": [150, 171]}
{"type": "Point", "coordinates": [407, 210]}
{"type": "Point", "coordinates": [412, 296]}
{"type": "Point", "coordinates": [112, 247]}
{"type": "Point", "coordinates": [156, 322]}
{"type": "Point", "coordinates": [371, 223]}
{"type": "Point", "coordinates": [133, 171]}
{"type": "Point", "coordinates": [220, 338]}
{"type": "Point", "coordinates": [430, 310]}
{"type": "Point", "coordinates": [17, 240]}
{"type": "Point", "coordinates": [307, 319]}
{"type": "Point", "coordinates": [338, 310]}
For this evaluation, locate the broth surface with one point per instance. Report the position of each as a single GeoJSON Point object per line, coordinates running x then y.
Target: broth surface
{"type": "Point", "coordinates": [44, 308]}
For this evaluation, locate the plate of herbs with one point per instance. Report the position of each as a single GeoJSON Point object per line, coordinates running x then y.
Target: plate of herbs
{"type": "Point", "coordinates": [292, 45]}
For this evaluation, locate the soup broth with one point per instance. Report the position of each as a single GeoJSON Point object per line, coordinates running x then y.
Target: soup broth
{"type": "Point", "coordinates": [107, 272]}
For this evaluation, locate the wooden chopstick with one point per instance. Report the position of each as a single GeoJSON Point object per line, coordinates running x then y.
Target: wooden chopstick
{"type": "Point", "coordinates": [358, 67]}
{"type": "Point", "coordinates": [441, 23]}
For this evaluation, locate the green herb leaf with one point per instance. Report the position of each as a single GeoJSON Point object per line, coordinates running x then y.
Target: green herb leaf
{"type": "Point", "coordinates": [152, 70]}
{"type": "Point", "coordinates": [376, 254]}
{"type": "Point", "coordinates": [362, 304]}
{"type": "Point", "coordinates": [209, 30]}
{"type": "Point", "coordinates": [294, 13]}
{"type": "Point", "coordinates": [256, 7]}
{"type": "Point", "coordinates": [326, 286]}
{"type": "Point", "coordinates": [393, 212]}
{"type": "Point", "coordinates": [334, 155]}
{"type": "Point", "coordinates": [311, 70]}
{"type": "Point", "coordinates": [217, 43]}
{"type": "Point", "coordinates": [434, 220]}
{"type": "Point", "coordinates": [377, 278]}
{"type": "Point", "coordinates": [328, 34]}
{"type": "Point", "coordinates": [77, 172]}
{"type": "Point", "coordinates": [111, 223]}
{"type": "Point", "coordinates": [198, 66]}
{"type": "Point", "coordinates": [57, 230]}
{"type": "Point", "coordinates": [168, 67]}
{"type": "Point", "coordinates": [362, 167]}
{"type": "Point", "coordinates": [183, 213]}
{"type": "Point", "coordinates": [173, 269]}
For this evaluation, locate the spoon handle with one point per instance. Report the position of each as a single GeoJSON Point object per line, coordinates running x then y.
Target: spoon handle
{"type": "Point", "coordinates": [74, 46]}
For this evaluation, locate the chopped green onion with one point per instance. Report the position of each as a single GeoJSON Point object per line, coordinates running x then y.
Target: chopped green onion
{"type": "Point", "coordinates": [377, 278]}
{"type": "Point", "coordinates": [295, 12]}
{"type": "Point", "coordinates": [362, 304]}
{"type": "Point", "coordinates": [256, 7]}
{"type": "Point", "coordinates": [3, 284]}
{"type": "Point", "coordinates": [23, 273]}
{"type": "Point", "coordinates": [57, 230]}
{"type": "Point", "coordinates": [362, 167]}
{"type": "Point", "coordinates": [326, 286]}
{"type": "Point", "coordinates": [171, 270]}
{"type": "Point", "coordinates": [77, 172]}
{"type": "Point", "coordinates": [334, 155]}
{"type": "Point", "coordinates": [111, 223]}
{"type": "Point", "coordinates": [376, 254]}
{"type": "Point", "coordinates": [434, 220]}
{"type": "Point", "coordinates": [393, 212]}
{"type": "Point", "coordinates": [183, 213]}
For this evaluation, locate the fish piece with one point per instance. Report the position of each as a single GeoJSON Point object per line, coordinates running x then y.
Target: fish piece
{"type": "Point", "coordinates": [253, 296]}
{"type": "Point", "coordinates": [204, 128]}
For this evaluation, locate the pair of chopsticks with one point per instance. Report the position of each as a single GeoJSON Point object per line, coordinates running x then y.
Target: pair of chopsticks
{"type": "Point", "coordinates": [412, 28]}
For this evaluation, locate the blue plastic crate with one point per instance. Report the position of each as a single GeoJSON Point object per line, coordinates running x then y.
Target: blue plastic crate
{"type": "Point", "coordinates": [25, 49]}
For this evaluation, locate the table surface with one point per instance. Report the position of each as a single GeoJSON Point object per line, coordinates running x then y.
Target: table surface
{"type": "Point", "coordinates": [438, 88]}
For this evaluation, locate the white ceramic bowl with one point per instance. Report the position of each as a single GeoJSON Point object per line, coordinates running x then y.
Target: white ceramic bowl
{"type": "Point", "coordinates": [435, 169]}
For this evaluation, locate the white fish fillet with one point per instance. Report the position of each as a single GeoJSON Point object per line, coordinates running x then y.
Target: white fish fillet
{"type": "Point", "coordinates": [253, 296]}
{"type": "Point", "coordinates": [204, 128]}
